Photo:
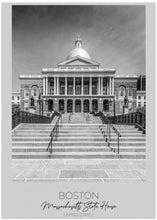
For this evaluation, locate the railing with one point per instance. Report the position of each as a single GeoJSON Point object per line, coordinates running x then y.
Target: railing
{"type": "Point", "coordinates": [54, 133]}
{"type": "Point", "coordinates": [26, 117]}
{"type": "Point", "coordinates": [136, 118]}
{"type": "Point", "coordinates": [106, 123]}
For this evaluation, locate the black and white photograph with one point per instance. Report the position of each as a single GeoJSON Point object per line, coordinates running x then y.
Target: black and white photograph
{"type": "Point", "coordinates": [78, 110]}
{"type": "Point", "coordinates": [78, 93]}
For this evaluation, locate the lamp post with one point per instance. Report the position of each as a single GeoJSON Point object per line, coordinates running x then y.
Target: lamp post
{"type": "Point", "coordinates": [114, 109]}
{"type": "Point", "coordinates": [41, 104]}
{"type": "Point", "coordinates": [40, 101]}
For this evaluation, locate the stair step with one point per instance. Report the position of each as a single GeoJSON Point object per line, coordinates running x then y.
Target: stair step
{"type": "Point", "coordinates": [75, 144]}
{"type": "Point", "coordinates": [59, 135]}
{"type": "Point", "coordinates": [68, 149]}
{"type": "Point", "coordinates": [61, 139]}
{"type": "Point", "coordinates": [77, 156]}
{"type": "Point", "coordinates": [77, 141]}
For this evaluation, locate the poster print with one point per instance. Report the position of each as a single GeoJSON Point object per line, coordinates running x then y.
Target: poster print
{"type": "Point", "coordinates": [78, 136]}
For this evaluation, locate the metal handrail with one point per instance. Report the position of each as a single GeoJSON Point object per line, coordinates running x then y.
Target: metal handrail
{"type": "Point", "coordinates": [54, 133]}
{"type": "Point", "coordinates": [107, 135]}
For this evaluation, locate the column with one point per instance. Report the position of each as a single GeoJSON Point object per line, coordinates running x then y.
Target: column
{"type": "Point", "coordinates": [90, 105]}
{"type": "Point", "coordinates": [107, 84]}
{"type": "Point", "coordinates": [57, 85]}
{"type": "Point", "coordinates": [98, 85]}
{"type": "Point", "coordinates": [101, 86]}
{"type": "Point", "coordinates": [82, 86]}
{"type": "Point", "coordinates": [82, 101]}
{"type": "Point", "coordinates": [44, 86]}
{"type": "Point", "coordinates": [74, 85]}
{"type": "Point", "coordinates": [66, 85]}
{"type": "Point", "coordinates": [56, 105]}
{"type": "Point", "coordinates": [90, 86]}
{"type": "Point", "coordinates": [100, 105]}
{"type": "Point", "coordinates": [110, 86]}
{"type": "Point", "coordinates": [65, 105]}
{"type": "Point", "coordinates": [54, 80]}
{"type": "Point", "coordinates": [73, 105]}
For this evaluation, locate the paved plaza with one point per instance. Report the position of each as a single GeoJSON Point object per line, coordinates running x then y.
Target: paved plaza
{"type": "Point", "coordinates": [91, 170]}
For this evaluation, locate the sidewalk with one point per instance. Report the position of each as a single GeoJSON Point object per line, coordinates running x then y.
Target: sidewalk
{"type": "Point", "coordinates": [91, 170]}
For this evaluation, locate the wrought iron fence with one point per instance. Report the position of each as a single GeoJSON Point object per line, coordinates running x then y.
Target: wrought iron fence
{"type": "Point", "coordinates": [136, 118]}
{"type": "Point", "coordinates": [26, 117]}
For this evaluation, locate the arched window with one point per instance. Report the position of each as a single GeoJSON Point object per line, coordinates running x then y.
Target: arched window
{"type": "Point", "coordinates": [130, 92]}
{"type": "Point", "coordinates": [26, 92]}
{"type": "Point", "coordinates": [34, 91]}
{"type": "Point", "coordinates": [122, 91]}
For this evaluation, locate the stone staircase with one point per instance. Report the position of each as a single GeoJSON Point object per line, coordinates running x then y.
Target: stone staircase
{"type": "Point", "coordinates": [76, 141]}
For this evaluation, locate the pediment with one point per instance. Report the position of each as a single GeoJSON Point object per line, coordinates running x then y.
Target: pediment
{"type": "Point", "coordinates": [78, 61]}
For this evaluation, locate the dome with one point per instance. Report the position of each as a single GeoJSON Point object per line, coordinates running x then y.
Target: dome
{"type": "Point", "coordinates": [78, 50]}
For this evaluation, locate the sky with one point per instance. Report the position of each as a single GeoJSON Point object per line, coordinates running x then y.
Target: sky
{"type": "Point", "coordinates": [42, 37]}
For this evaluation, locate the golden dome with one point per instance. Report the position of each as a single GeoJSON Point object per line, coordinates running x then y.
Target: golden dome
{"type": "Point", "coordinates": [78, 50]}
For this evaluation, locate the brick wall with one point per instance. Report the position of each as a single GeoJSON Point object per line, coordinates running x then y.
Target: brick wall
{"type": "Point", "coordinates": [27, 85]}
{"type": "Point", "coordinates": [129, 84]}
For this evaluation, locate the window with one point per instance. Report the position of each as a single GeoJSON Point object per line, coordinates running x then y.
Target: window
{"type": "Point", "coordinates": [62, 90]}
{"type": "Point", "coordinates": [104, 86]}
{"type": "Point", "coordinates": [86, 90]}
{"type": "Point", "coordinates": [18, 97]}
{"type": "Point", "coordinates": [52, 87]}
{"type": "Point", "coordinates": [139, 104]}
{"type": "Point", "coordinates": [139, 97]}
{"type": "Point", "coordinates": [12, 97]}
{"type": "Point", "coordinates": [94, 89]}
{"type": "Point", "coordinates": [144, 97]}
{"type": "Point", "coordinates": [70, 90]}
{"type": "Point", "coordinates": [144, 104]}
{"type": "Point", "coordinates": [26, 106]}
{"type": "Point", "coordinates": [130, 92]}
{"type": "Point", "coordinates": [34, 91]}
{"type": "Point", "coordinates": [122, 91]}
{"type": "Point", "coordinates": [26, 93]}
{"type": "Point", "coordinates": [78, 90]}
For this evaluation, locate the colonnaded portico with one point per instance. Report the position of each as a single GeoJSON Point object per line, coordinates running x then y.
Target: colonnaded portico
{"type": "Point", "coordinates": [78, 94]}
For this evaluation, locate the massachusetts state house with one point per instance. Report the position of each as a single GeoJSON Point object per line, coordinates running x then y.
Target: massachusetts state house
{"type": "Point", "coordinates": [78, 84]}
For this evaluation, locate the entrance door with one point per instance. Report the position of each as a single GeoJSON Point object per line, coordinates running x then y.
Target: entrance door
{"type": "Point", "coordinates": [69, 106]}
{"type": "Point", "coordinates": [86, 106]}
{"type": "Point", "coordinates": [61, 105]}
{"type": "Point", "coordinates": [106, 105]}
{"type": "Point", "coordinates": [50, 105]}
{"type": "Point", "coordinates": [77, 106]}
{"type": "Point", "coordinates": [95, 105]}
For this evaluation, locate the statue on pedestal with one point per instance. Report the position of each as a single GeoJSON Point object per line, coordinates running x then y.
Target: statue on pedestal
{"type": "Point", "coordinates": [126, 101]}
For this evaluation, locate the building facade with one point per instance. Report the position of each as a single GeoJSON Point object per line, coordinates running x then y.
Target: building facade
{"type": "Point", "coordinates": [78, 84]}
{"type": "Point", "coordinates": [16, 98]}
{"type": "Point", "coordinates": [141, 92]}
